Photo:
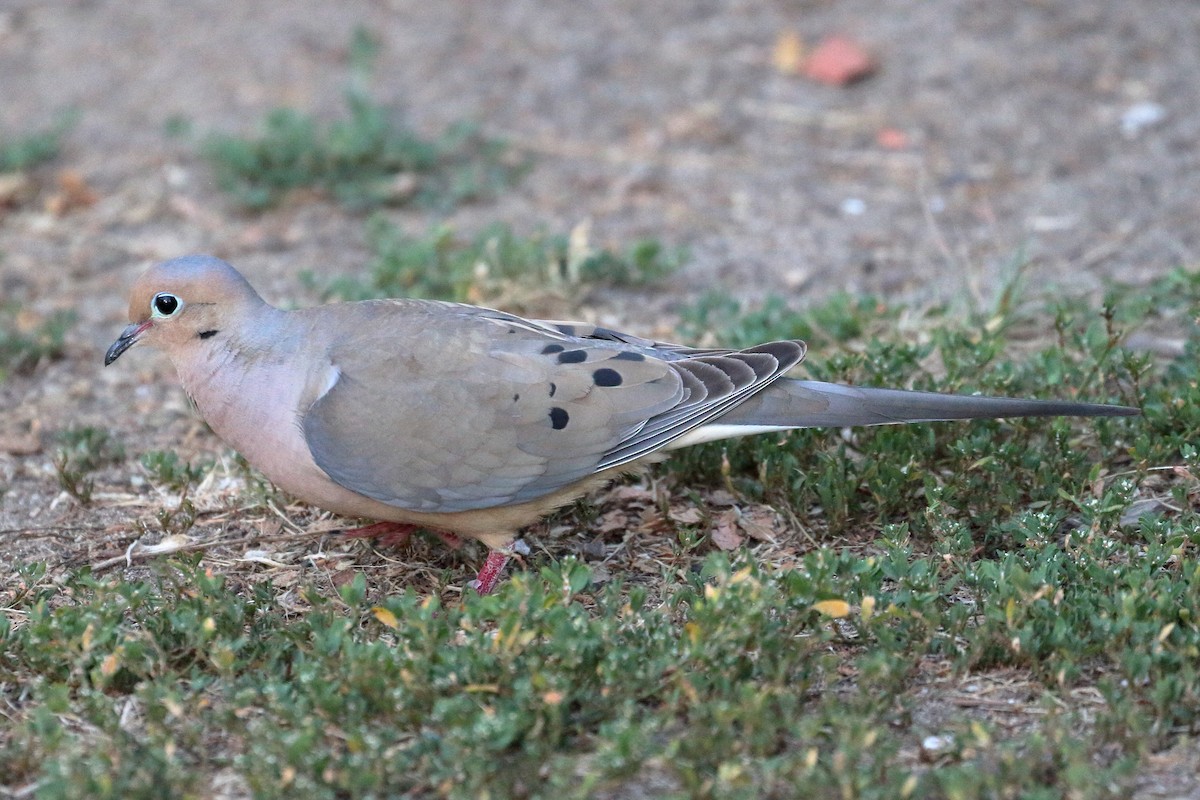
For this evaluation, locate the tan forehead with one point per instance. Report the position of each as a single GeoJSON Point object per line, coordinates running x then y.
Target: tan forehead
{"type": "Point", "coordinates": [191, 280]}
{"type": "Point", "coordinates": [151, 284]}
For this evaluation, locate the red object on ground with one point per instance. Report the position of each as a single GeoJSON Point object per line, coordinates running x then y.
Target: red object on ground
{"type": "Point", "coordinates": [891, 139]}
{"type": "Point", "coordinates": [839, 61]}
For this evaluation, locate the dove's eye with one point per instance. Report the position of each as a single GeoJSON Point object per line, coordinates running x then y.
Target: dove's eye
{"type": "Point", "coordinates": [165, 304]}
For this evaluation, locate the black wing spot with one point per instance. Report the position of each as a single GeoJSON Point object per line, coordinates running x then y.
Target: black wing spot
{"type": "Point", "coordinates": [516, 397]}
{"type": "Point", "coordinates": [553, 388]}
{"type": "Point", "coordinates": [207, 334]}
{"type": "Point", "coordinates": [552, 348]}
{"type": "Point", "coordinates": [569, 330]}
{"type": "Point", "coordinates": [572, 357]}
{"type": "Point", "coordinates": [607, 377]}
{"type": "Point", "coordinates": [559, 418]}
{"type": "Point", "coordinates": [629, 355]}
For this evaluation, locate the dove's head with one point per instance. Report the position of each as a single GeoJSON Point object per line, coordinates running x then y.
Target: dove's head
{"type": "Point", "coordinates": [183, 301]}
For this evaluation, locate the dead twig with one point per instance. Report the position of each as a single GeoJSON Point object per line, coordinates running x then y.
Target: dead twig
{"type": "Point", "coordinates": [51, 531]}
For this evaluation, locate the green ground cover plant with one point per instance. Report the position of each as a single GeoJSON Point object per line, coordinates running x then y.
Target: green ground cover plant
{"type": "Point", "coordinates": [996, 609]}
{"type": "Point", "coordinates": [20, 152]}
{"type": "Point", "coordinates": [444, 265]}
{"type": "Point", "coordinates": [366, 159]}
{"type": "Point", "coordinates": [23, 347]}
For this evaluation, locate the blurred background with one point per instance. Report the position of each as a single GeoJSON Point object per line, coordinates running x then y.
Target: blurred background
{"type": "Point", "coordinates": [976, 138]}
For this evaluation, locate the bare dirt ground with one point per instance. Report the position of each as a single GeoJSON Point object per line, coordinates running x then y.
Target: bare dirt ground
{"type": "Point", "coordinates": [665, 120]}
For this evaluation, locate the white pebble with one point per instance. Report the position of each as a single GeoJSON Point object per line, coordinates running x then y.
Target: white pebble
{"type": "Point", "coordinates": [853, 207]}
{"type": "Point", "coordinates": [1140, 116]}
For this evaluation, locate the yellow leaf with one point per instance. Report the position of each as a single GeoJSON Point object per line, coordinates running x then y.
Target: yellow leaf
{"type": "Point", "coordinates": [788, 56]}
{"type": "Point", "coordinates": [111, 663]}
{"type": "Point", "coordinates": [832, 608]}
{"type": "Point", "coordinates": [868, 607]}
{"type": "Point", "coordinates": [741, 576]}
{"type": "Point", "coordinates": [728, 772]}
{"type": "Point", "coordinates": [482, 688]}
{"type": "Point", "coordinates": [385, 617]}
{"type": "Point", "coordinates": [222, 656]}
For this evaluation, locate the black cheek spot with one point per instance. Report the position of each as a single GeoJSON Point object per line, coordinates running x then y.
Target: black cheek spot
{"type": "Point", "coordinates": [552, 348]}
{"type": "Point", "coordinates": [559, 418]}
{"type": "Point", "coordinates": [629, 355]}
{"type": "Point", "coordinates": [572, 357]}
{"type": "Point", "coordinates": [553, 388]}
{"type": "Point", "coordinates": [207, 334]}
{"type": "Point", "coordinates": [606, 377]}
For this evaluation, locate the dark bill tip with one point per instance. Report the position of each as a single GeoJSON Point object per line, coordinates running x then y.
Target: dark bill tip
{"type": "Point", "coordinates": [126, 340]}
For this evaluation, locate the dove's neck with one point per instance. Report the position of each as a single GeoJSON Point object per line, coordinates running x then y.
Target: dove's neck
{"type": "Point", "coordinates": [250, 385]}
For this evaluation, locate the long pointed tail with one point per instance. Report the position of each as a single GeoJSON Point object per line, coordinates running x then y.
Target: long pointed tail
{"type": "Point", "coordinates": [789, 403]}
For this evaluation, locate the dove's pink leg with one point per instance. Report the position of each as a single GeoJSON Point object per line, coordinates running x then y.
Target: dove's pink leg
{"type": "Point", "coordinates": [493, 568]}
{"type": "Point", "coordinates": [397, 534]}
{"type": "Point", "coordinates": [490, 573]}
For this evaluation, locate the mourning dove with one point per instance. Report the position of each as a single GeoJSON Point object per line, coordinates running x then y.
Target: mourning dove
{"type": "Point", "coordinates": [472, 421]}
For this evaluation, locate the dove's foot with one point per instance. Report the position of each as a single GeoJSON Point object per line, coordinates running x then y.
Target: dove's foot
{"type": "Point", "coordinates": [397, 534]}
{"type": "Point", "coordinates": [388, 534]}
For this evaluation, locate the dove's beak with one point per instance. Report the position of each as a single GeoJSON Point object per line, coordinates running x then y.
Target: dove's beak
{"type": "Point", "coordinates": [127, 339]}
